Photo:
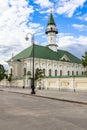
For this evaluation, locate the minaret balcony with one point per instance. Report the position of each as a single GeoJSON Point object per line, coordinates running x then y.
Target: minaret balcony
{"type": "Point", "coordinates": [51, 30]}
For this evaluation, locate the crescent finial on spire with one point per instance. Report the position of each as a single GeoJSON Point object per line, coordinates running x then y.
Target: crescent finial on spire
{"type": "Point", "coordinates": [51, 10]}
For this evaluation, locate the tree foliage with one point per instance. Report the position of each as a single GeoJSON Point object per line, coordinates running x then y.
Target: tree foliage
{"type": "Point", "coordinates": [39, 74]}
{"type": "Point", "coordinates": [84, 60]}
{"type": "Point", "coordinates": [2, 72]}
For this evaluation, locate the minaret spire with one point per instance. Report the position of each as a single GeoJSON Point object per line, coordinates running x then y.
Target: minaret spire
{"type": "Point", "coordinates": [51, 32]}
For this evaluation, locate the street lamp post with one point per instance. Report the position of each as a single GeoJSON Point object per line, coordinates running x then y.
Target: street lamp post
{"type": "Point", "coordinates": [32, 83]}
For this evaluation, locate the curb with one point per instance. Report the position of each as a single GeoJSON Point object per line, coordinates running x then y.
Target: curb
{"type": "Point", "coordinates": [64, 100]}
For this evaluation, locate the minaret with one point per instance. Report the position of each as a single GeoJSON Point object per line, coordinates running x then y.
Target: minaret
{"type": "Point", "coordinates": [51, 32]}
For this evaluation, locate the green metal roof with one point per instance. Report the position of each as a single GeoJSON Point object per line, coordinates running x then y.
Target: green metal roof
{"type": "Point", "coordinates": [45, 53]}
{"type": "Point", "coordinates": [51, 20]}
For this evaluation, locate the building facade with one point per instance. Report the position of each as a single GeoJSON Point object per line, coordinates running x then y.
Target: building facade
{"type": "Point", "coordinates": [53, 61]}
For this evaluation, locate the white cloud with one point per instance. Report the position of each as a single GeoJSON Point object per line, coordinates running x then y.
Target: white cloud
{"type": "Point", "coordinates": [68, 7]}
{"type": "Point", "coordinates": [76, 45]}
{"type": "Point", "coordinates": [80, 27]}
{"type": "Point", "coordinates": [82, 40]}
{"type": "Point", "coordinates": [44, 3]}
{"type": "Point", "coordinates": [83, 17]}
{"type": "Point", "coordinates": [3, 6]}
{"type": "Point", "coordinates": [67, 40]}
{"type": "Point", "coordinates": [35, 26]}
{"type": "Point", "coordinates": [14, 15]}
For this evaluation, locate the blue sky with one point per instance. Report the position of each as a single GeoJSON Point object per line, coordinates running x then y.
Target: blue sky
{"type": "Point", "coordinates": [18, 17]}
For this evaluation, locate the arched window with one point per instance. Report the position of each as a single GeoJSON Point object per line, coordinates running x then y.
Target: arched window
{"type": "Point", "coordinates": [76, 72]}
{"type": "Point", "coordinates": [49, 72]}
{"type": "Point", "coordinates": [82, 73]}
{"type": "Point", "coordinates": [60, 72]}
{"type": "Point", "coordinates": [55, 72]}
{"type": "Point", "coordinates": [72, 72]}
{"type": "Point", "coordinates": [68, 73]}
{"type": "Point", "coordinates": [24, 71]}
{"type": "Point", "coordinates": [51, 28]}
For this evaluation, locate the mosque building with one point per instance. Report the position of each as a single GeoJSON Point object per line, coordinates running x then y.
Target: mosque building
{"type": "Point", "coordinates": [53, 61]}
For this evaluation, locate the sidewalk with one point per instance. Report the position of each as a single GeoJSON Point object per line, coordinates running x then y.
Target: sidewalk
{"type": "Point", "coordinates": [73, 97]}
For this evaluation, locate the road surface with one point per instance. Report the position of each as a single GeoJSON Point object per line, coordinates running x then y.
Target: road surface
{"type": "Point", "coordinates": [25, 112]}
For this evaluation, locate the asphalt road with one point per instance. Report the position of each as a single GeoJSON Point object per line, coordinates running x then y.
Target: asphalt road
{"type": "Point", "coordinates": [25, 112]}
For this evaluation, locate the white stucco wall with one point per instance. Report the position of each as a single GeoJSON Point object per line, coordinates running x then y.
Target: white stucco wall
{"type": "Point", "coordinates": [69, 83]}
{"type": "Point", "coordinates": [46, 64]}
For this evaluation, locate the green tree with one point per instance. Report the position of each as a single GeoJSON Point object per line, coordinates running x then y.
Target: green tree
{"type": "Point", "coordinates": [39, 74]}
{"type": "Point", "coordinates": [2, 72]}
{"type": "Point", "coordinates": [84, 61]}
